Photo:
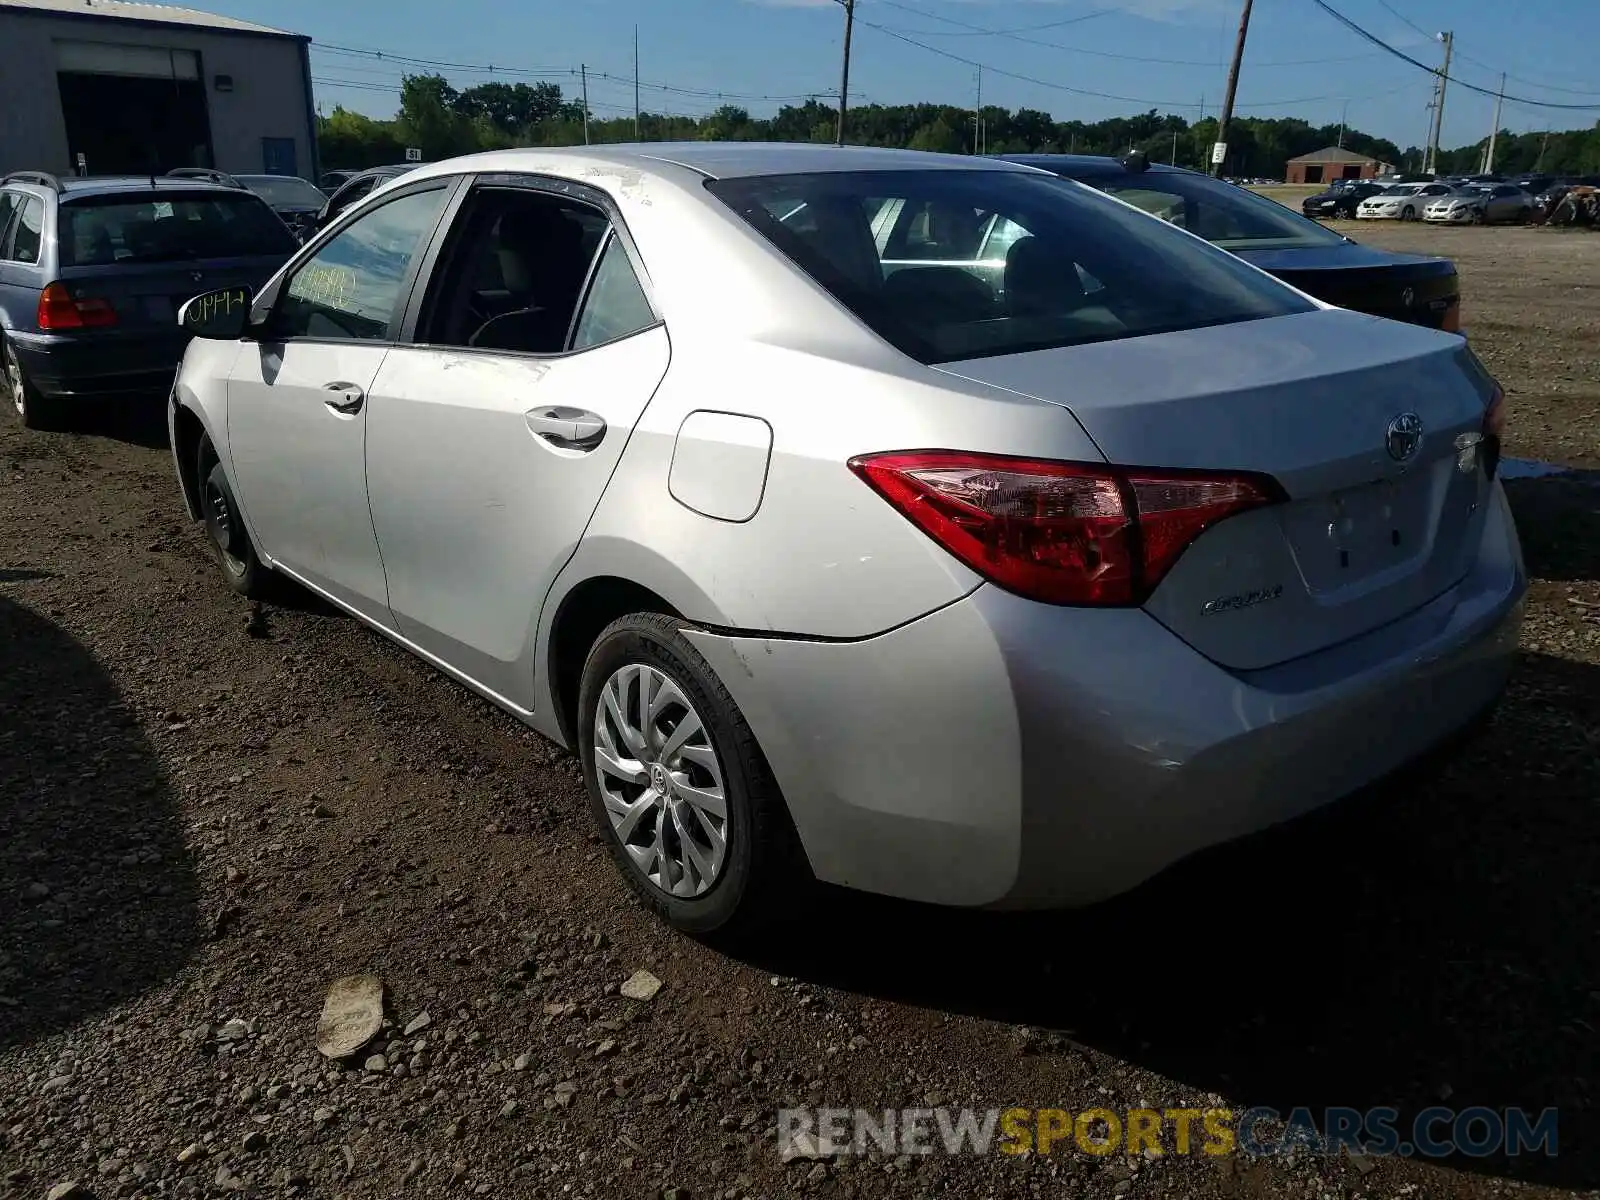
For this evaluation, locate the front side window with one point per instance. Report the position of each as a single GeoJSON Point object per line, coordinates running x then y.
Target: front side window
{"type": "Point", "coordinates": [350, 288]}
{"type": "Point", "coordinates": [27, 232]}
{"type": "Point", "coordinates": [172, 227]}
{"type": "Point", "coordinates": [1078, 268]}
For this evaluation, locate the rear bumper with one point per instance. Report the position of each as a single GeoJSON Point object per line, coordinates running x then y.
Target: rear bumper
{"type": "Point", "coordinates": [106, 364]}
{"type": "Point", "coordinates": [1004, 753]}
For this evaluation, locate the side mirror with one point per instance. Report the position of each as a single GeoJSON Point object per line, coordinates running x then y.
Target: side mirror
{"type": "Point", "coordinates": [222, 315]}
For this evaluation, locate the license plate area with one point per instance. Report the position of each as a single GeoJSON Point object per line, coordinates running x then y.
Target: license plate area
{"type": "Point", "coordinates": [1354, 534]}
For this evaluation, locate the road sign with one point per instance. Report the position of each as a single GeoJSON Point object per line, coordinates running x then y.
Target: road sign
{"type": "Point", "coordinates": [1219, 151]}
{"type": "Point", "coordinates": [415, 155]}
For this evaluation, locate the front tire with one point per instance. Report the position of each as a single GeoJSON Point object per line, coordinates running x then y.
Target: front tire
{"type": "Point", "coordinates": [1408, 213]}
{"type": "Point", "coordinates": [230, 542]}
{"type": "Point", "coordinates": [678, 786]}
{"type": "Point", "coordinates": [34, 410]}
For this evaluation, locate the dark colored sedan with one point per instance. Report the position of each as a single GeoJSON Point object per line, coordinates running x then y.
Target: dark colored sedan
{"type": "Point", "coordinates": [1303, 253]}
{"type": "Point", "coordinates": [93, 272]}
{"type": "Point", "coordinates": [296, 201]}
{"type": "Point", "coordinates": [1339, 201]}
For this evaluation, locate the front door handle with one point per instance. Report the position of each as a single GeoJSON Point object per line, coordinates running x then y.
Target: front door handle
{"type": "Point", "coordinates": [347, 398]}
{"type": "Point", "coordinates": [567, 428]}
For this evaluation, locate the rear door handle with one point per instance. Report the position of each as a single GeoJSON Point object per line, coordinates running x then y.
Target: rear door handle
{"type": "Point", "coordinates": [567, 428]}
{"type": "Point", "coordinates": [347, 398]}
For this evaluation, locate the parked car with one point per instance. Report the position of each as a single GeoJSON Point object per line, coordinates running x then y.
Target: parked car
{"type": "Point", "coordinates": [1339, 201]}
{"type": "Point", "coordinates": [1315, 259]}
{"type": "Point", "coordinates": [332, 181]}
{"type": "Point", "coordinates": [296, 201]}
{"type": "Point", "coordinates": [853, 621]}
{"type": "Point", "coordinates": [357, 188]}
{"type": "Point", "coordinates": [1402, 202]}
{"type": "Point", "coordinates": [1481, 204]}
{"type": "Point", "coordinates": [92, 271]}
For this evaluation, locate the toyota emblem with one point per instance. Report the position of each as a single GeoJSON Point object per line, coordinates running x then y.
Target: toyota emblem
{"type": "Point", "coordinates": [1403, 438]}
{"type": "Point", "coordinates": [1408, 297]}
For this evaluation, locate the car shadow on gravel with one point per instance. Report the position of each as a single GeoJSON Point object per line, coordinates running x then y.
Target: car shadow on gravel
{"type": "Point", "coordinates": [1558, 518]}
{"type": "Point", "coordinates": [139, 420]}
{"type": "Point", "coordinates": [98, 896]}
{"type": "Point", "coordinates": [1432, 941]}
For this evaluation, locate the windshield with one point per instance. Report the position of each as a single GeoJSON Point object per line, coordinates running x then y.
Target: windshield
{"type": "Point", "coordinates": [1231, 217]}
{"type": "Point", "coordinates": [164, 228]}
{"type": "Point", "coordinates": [284, 191]}
{"type": "Point", "coordinates": [1402, 189]}
{"type": "Point", "coordinates": [949, 264]}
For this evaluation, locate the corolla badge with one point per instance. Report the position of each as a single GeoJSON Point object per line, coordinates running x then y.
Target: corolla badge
{"type": "Point", "coordinates": [1403, 438]}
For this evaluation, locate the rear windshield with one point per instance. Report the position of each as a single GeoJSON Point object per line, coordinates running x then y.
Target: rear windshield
{"type": "Point", "coordinates": [284, 191]}
{"type": "Point", "coordinates": [1232, 217]}
{"type": "Point", "coordinates": [953, 264]}
{"type": "Point", "coordinates": [168, 228]}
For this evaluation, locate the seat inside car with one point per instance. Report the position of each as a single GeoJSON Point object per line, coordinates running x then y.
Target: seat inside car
{"type": "Point", "coordinates": [1035, 284]}
{"type": "Point", "coordinates": [542, 254]}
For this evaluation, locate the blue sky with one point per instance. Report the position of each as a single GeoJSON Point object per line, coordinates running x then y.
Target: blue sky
{"type": "Point", "coordinates": [758, 53]}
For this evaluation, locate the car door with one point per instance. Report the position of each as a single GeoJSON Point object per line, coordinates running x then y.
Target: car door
{"type": "Point", "coordinates": [492, 435]}
{"type": "Point", "coordinates": [298, 398]}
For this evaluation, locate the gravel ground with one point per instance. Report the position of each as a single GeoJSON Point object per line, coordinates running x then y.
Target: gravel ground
{"type": "Point", "coordinates": [204, 820]}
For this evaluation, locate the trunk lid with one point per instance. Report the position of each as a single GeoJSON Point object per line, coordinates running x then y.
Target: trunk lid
{"type": "Point", "coordinates": [1405, 287]}
{"type": "Point", "coordinates": [1311, 400]}
{"type": "Point", "coordinates": [147, 295]}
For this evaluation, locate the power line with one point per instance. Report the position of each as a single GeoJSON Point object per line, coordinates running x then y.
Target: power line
{"type": "Point", "coordinates": [980, 31]}
{"type": "Point", "coordinates": [1436, 72]}
{"type": "Point", "coordinates": [1061, 87]}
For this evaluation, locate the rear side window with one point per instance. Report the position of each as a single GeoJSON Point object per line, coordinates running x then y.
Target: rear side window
{"type": "Point", "coordinates": [27, 231]}
{"type": "Point", "coordinates": [101, 231]}
{"type": "Point", "coordinates": [616, 305]}
{"type": "Point", "coordinates": [1067, 265]}
{"type": "Point", "coordinates": [9, 203]}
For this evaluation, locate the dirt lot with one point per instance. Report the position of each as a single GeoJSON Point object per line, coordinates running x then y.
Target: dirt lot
{"type": "Point", "coordinates": [203, 823]}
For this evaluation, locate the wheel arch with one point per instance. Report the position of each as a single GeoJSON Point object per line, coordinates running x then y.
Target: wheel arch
{"type": "Point", "coordinates": [188, 430]}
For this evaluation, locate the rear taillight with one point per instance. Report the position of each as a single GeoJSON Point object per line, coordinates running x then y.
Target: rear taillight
{"type": "Point", "coordinates": [59, 309]}
{"type": "Point", "coordinates": [1494, 427]}
{"type": "Point", "coordinates": [1450, 322]}
{"type": "Point", "coordinates": [1061, 533]}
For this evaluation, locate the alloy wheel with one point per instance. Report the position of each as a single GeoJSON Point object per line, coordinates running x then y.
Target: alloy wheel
{"type": "Point", "coordinates": [661, 781]}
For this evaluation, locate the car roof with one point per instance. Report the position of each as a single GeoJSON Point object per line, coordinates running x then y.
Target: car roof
{"type": "Point", "coordinates": [1073, 165]}
{"type": "Point", "coordinates": [723, 160]}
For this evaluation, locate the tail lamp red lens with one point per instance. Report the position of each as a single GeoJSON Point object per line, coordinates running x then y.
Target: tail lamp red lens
{"type": "Point", "coordinates": [1062, 533]}
{"type": "Point", "coordinates": [59, 309]}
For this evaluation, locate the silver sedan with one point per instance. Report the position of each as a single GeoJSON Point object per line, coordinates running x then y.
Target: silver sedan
{"type": "Point", "coordinates": [836, 550]}
{"type": "Point", "coordinates": [1481, 204]}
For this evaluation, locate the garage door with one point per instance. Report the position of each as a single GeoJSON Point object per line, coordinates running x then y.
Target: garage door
{"type": "Point", "coordinates": [109, 58]}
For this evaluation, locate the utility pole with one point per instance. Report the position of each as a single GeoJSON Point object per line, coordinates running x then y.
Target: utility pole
{"type": "Point", "coordinates": [977, 116]}
{"type": "Point", "coordinates": [1344, 112]}
{"type": "Point", "coordinates": [583, 73]}
{"type": "Point", "coordinates": [636, 83]}
{"type": "Point", "coordinates": [1494, 132]}
{"type": "Point", "coordinates": [1438, 104]}
{"type": "Point", "coordinates": [1220, 150]}
{"type": "Point", "coordinates": [1174, 147]}
{"type": "Point", "coordinates": [844, 77]}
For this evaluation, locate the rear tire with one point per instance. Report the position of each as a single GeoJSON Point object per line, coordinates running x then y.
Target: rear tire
{"type": "Point", "coordinates": [33, 410]}
{"type": "Point", "coordinates": [657, 804]}
{"type": "Point", "coordinates": [230, 542]}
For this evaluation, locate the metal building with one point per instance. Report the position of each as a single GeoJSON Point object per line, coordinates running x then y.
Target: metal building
{"type": "Point", "coordinates": [112, 87]}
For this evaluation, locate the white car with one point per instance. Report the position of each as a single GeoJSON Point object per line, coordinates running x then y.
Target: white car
{"type": "Point", "coordinates": [1403, 202]}
{"type": "Point", "coordinates": [836, 549]}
